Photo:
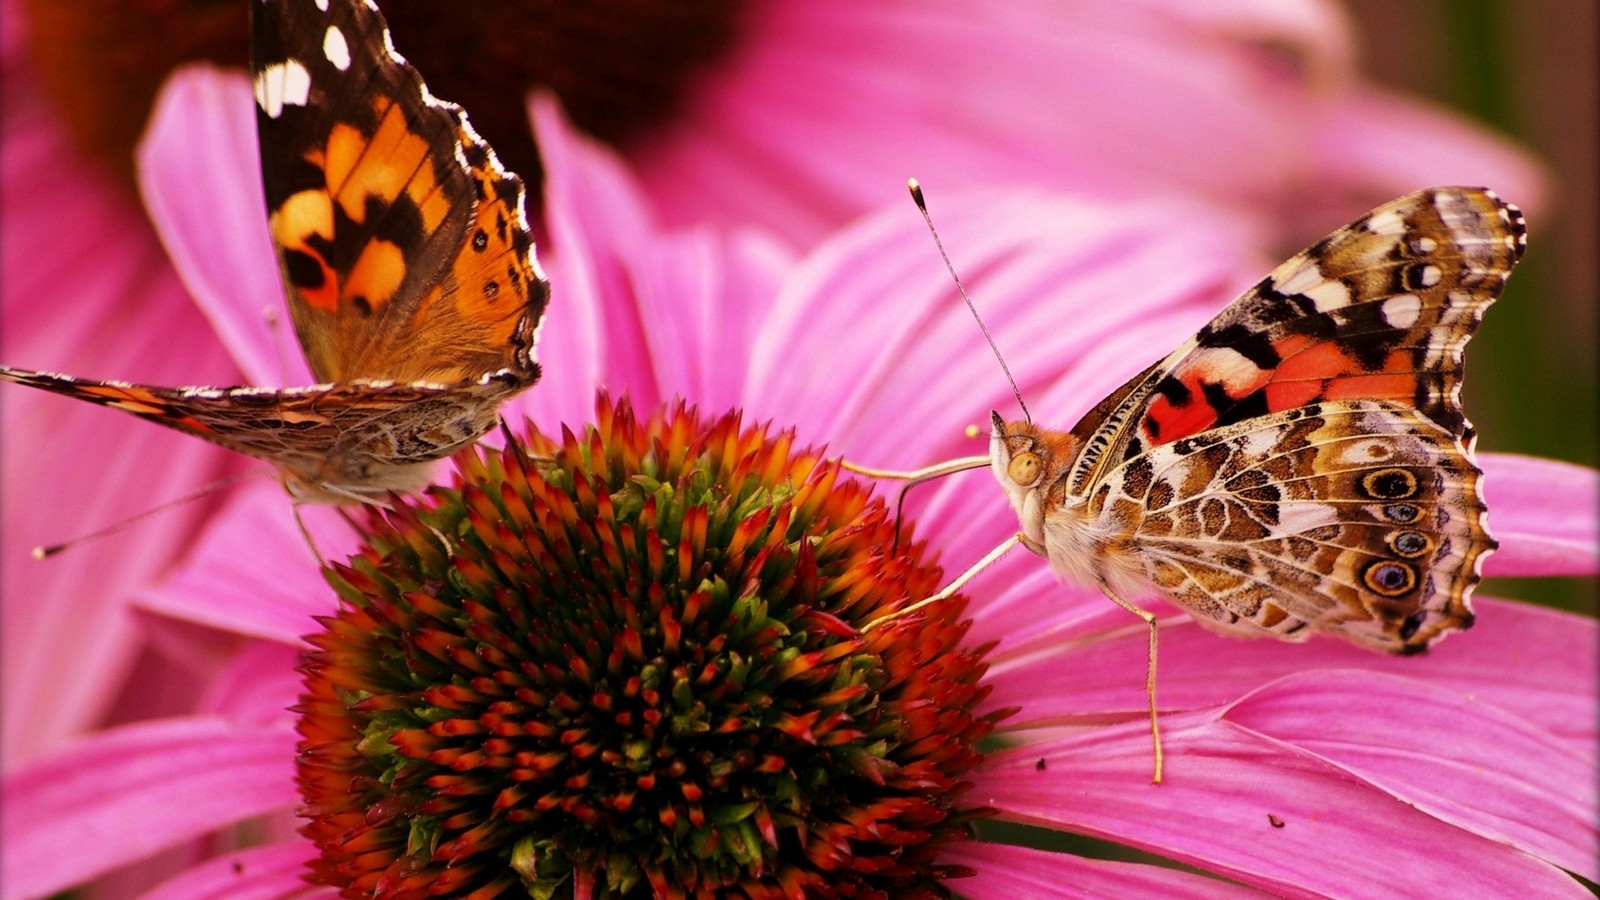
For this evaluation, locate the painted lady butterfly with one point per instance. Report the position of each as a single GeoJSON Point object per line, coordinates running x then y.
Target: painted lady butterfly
{"type": "Point", "coordinates": [1302, 464]}
{"type": "Point", "coordinates": [404, 247]}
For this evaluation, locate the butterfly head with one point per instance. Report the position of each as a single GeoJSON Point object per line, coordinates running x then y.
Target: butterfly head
{"type": "Point", "coordinates": [1031, 464]}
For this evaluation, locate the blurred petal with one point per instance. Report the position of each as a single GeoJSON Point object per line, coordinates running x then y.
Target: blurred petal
{"type": "Point", "coordinates": [203, 133]}
{"type": "Point", "coordinates": [1006, 873]}
{"type": "Point", "coordinates": [267, 873]}
{"type": "Point", "coordinates": [82, 272]}
{"type": "Point", "coordinates": [255, 542]}
{"type": "Point", "coordinates": [636, 309]}
{"type": "Point", "coordinates": [1250, 107]}
{"type": "Point", "coordinates": [132, 791]}
{"type": "Point", "coordinates": [1544, 513]}
{"type": "Point", "coordinates": [258, 686]}
{"type": "Point", "coordinates": [1226, 788]}
{"type": "Point", "coordinates": [1377, 143]}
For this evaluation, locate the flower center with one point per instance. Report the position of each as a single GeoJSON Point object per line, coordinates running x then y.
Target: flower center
{"type": "Point", "coordinates": [619, 66]}
{"type": "Point", "coordinates": [639, 671]}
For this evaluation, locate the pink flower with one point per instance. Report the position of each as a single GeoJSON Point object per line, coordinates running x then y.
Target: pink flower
{"type": "Point", "coordinates": [1473, 766]}
{"type": "Point", "coordinates": [1255, 109]}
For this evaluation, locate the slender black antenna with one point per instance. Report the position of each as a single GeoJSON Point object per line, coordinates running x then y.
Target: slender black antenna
{"type": "Point", "coordinates": [916, 196]}
{"type": "Point", "coordinates": [43, 553]}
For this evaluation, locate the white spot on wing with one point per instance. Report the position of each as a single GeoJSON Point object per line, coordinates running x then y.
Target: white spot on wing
{"type": "Point", "coordinates": [1303, 279]}
{"type": "Point", "coordinates": [336, 49]}
{"type": "Point", "coordinates": [1402, 310]}
{"type": "Point", "coordinates": [1328, 295]}
{"type": "Point", "coordinates": [282, 84]}
{"type": "Point", "coordinates": [1299, 518]}
{"type": "Point", "coordinates": [322, 5]}
{"type": "Point", "coordinates": [1258, 444]}
{"type": "Point", "coordinates": [1387, 222]}
{"type": "Point", "coordinates": [1230, 368]}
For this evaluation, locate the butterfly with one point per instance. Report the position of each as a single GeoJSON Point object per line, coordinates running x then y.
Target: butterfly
{"type": "Point", "coordinates": [1301, 465]}
{"type": "Point", "coordinates": [404, 249]}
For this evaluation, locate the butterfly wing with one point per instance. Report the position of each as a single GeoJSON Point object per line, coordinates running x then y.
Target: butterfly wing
{"type": "Point", "coordinates": [1360, 518]}
{"type": "Point", "coordinates": [402, 242]}
{"type": "Point", "coordinates": [1378, 310]}
{"type": "Point", "coordinates": [334, 442]}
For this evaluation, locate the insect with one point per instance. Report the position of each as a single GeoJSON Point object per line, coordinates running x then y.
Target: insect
{"type": "Point", "coordinates": [1302, 465]}
{"type": "Point", "coordinates": [405, 253]}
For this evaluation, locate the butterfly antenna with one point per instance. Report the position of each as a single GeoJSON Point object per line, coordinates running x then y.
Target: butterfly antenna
{"type": "Point", "coordinates": [922, 205]}
{"type": "Point", "coordinates": [45, 552]}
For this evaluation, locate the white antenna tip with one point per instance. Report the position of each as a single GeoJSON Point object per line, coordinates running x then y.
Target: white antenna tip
{"type": "Point", "coordinates": [916, 194]}
{"type": "Point", "coordinates": [39, 553]}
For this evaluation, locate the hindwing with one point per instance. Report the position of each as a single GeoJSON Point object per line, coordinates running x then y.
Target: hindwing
{"type": "Point", "coordinates": [1359, 518]}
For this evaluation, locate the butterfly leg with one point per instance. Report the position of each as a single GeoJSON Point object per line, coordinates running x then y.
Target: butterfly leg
{"type": "Point", "coordinates": [917, 476]}
{"type": "Point", "coordinates": [1150, 673]}
{"type": "Point", "coordinates": [912, 478]}
{"type": "Point", "coordinates": [305, 533]}
{"type": "Point", "coordinates": [949, 590]}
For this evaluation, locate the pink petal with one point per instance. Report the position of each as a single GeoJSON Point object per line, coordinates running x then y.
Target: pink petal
{"type": "Point", "coordinates": [200, 170]}
{"type": "Point", "coordinates": [1546, 515]}
{"type": "Point", "coordinates": [592, 322]}
{"type": "Point", "coordinates": [130, 792]}
{"type": "Point", "coordinates": [1461, 761]}
{"type": "Point", "coordinates": [1378, 143]}
{"type": "Point", "coordinates": [661, 313]}
{"type": "Point", "coordinates": [268, 873]}
{"type": "Point", "coordinates": [1006, 873]}
{"type": "Point", "coordinates": [70, 468]}
{"type": "Point", "coordinates": [1537, 664]}
{"type": "Point", "coordinates": [1226, 788]}
{"type": "Point", "coordinates": [870, 343]}
{"type": "Point", "coordinates": [1245, 106]}
{"type": "Point", "coordinates": [252, 572]}
{"type": "Point", "coordinates": [258, 685]}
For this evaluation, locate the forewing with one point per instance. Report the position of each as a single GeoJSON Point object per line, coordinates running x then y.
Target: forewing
{"type": "Point", "coordinates": [403, 243]}
{"type": "Point", "coordinates": [1379, 310]}
{"type": "Point", "coordinates": [351, 437]}
{"type": "Point", "coordinates": [1361, 518]}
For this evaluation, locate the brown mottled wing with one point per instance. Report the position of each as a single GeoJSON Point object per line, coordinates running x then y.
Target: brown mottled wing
{"type": "Point", "coordinates": [1378, 310]}
{"type": "Point", "coordinates": [401, 240]}
{"type": "Point", "coordinates": [353, 438]}
{"type": "Point", "coordinates": [1358, 518]}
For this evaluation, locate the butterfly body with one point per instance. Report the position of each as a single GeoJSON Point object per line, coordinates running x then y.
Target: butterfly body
{"type": "Point", "coordinates": [406, 256]}
{"type": "Point", "coordinates": [1302, 465]}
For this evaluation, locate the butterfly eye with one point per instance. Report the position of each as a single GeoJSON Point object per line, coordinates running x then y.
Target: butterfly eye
{"type": "Point", "coordinates": [1024, 469]}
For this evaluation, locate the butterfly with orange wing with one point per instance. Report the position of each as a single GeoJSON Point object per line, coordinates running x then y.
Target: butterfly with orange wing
{"type": "Point", "coordinates": [405, 251]}
{"type": "Point", "coordinates": [1300, 466]}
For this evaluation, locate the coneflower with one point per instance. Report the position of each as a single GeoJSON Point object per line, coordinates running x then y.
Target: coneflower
{"type": "Point", "coordinates": [638, 668]}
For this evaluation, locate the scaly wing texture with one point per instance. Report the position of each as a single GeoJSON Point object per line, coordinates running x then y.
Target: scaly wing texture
{"type": "Point", "coordinates": [402, 241]}
{"type": "Point", "coordinates": [1360, 518]}
{"type": "Point", "coordinates": [358, 439]}
{"type": "Point", "coordinates": [1378, 310]}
